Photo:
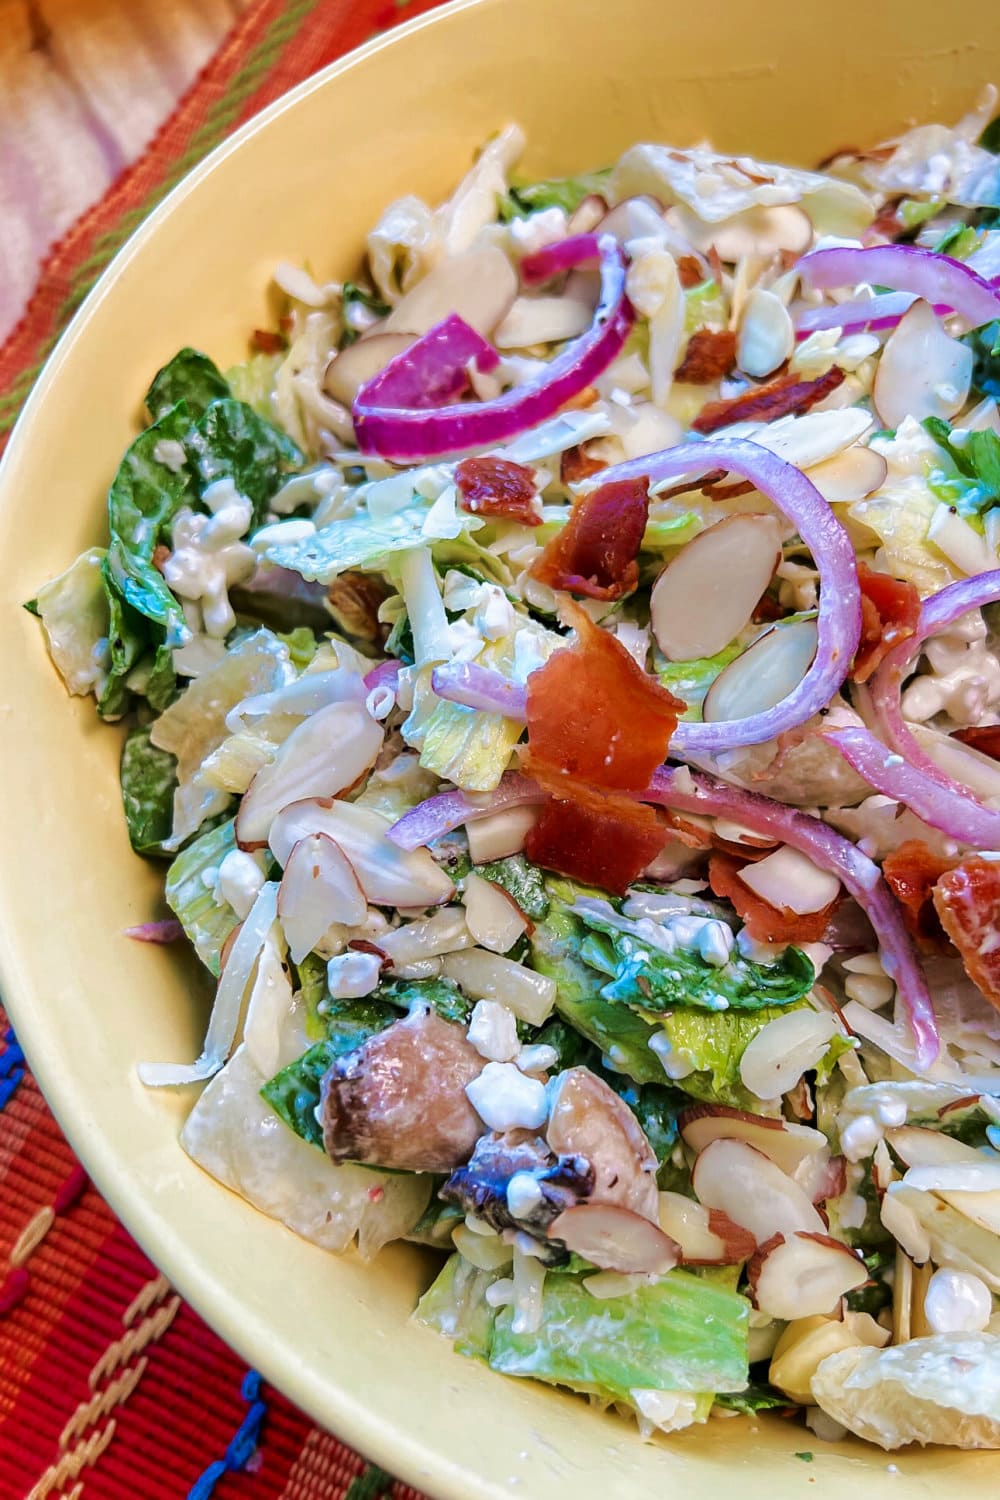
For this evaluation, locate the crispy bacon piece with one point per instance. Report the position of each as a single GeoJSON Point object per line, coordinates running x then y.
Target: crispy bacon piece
{"type": "Point", "coordinates": [764, 922]}
{"type": "Point", "coordinates": [890, 611]}
{"type": "Point", "coordinates": [497, 487]}
{"type": "Point", "coordinates": [604, 842]}
{"type": "Point", "coordinates": [710, 354]}
{"type": "Point", "coordinates": [160, 555]}
{"type": "Point", "coordinates": [728, 491]}
{"type": "Point", "coordinates": [767, 609]}
{"type": "Point", "coordinates": [985, 738]}
{"type": "Point", "coordinates": [967, 899]}
{"type": "Point", "coordinates": [595, 718]}
{"type": "Point", "coordinates": [911, 873]}
{"type": "Point", "coordinates": [595, 553]}
{"type": "Point", "coordinates": [267, 342]}
{"type": "Point", "coordinates": [689, 270]}
{"type": "Point", "coordinates": [688, 486]}
{"type": "Point", "coordinates": [781, 398]}
{"type": "Point", "coordinates": [576, 464]}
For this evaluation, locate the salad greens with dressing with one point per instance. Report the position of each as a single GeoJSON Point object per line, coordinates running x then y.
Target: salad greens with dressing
{"type": "Point", "coordinates": [560, 677]}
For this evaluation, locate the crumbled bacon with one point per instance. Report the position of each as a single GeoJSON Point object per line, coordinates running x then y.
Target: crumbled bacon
{"type": "Point", "coordinates": [362, 945]}
{"type": "Point", "coordinates": [781, 398]}
{"type": "Point", "coordinates": [967, 899]}
{"type": "Point", "coordinates": [688, 486]}
{"type": "Point", "coordinates": [583, 398]}
{"type": "Point", "coordinates": [595, 553]}
{"type": "Point", "coordinates": [767, 609]}
{"type": "Point", "coordinates": [764, 922]}
{"type": "Point", "coordinates": [728, 491]}
{"type": "Point", "coordinates": [266, 342]}
{"type": "Point", "coordinates": [690, 271]}
{"type": "Point", "coordinates": [887, 222]}
{"type": "Point", "coordinates": [715, 265]}
{"type": "Point", "coordinates": [576, 464]}
{"type": "Point", "coordinates": [607, 843]}
{"type": "Point", "coordinates": [710, 354]}
{"type": "Point", "coordinates": [595, 717]}
{"type": "Point", "coordinates": [985, 738]}
{"type": "Point", "coordinates": [890, 611]}
{"type": "Point", "coordinates": [160, 555]}
{"type": "Point", "coordinates": [497, 487]}
{"type": "Point", "coordinates": [911, 873]}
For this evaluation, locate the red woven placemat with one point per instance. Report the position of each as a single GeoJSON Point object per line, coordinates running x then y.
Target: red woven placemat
{"type": "Point", "coordinates": [110, 1386]}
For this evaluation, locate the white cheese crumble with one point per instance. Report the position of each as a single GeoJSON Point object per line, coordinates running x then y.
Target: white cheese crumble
{"type": "Point", "coordinates": [238, 881]}
{"type": "Point", "coordinates": [208, 556]}
{"type": "Point", "coordinates": [676, 1064]}
{"type": "Point", "coordinates": [537, 1059]}
{"type": "Point", "coordinates": [493, 1031]}
{"type": "Point", "coordinates": [524, 1195]}
{"type": "Point", "coordinates": [351, 975]}
{"type": "Point", "coordinates": [505, 1099]}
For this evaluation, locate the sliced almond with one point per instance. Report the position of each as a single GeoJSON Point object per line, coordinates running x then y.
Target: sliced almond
{"type": "Point", "coordinates": [781, 1141]}
{"type": "Point", "coordinates": [765, 673]}
{"type": "Point", "coordinates": [922, 372]}
{"type": "Point", "coordinates": [360, 362]}
{"type": "Point", "coordinates": [493, 918]}
{"type": "Point", "coordinates": [775, 1059]}
{"type": "Point", "coordinates": [478, 285]}
{"type": "Point", "coordinates": [319, 887]}
{"type": "Point", "coordinates": [791, 881]}
{"type": "Point", "coordinates": [615, 1239]}
{"type": "Point", "coordinates": [706, 595]}
{"type": "Point", "coordinates": [762, 230]}
{"type": "Point", "coordinates": [803, 1275]}
{"type": "Point", "coordinates": [324, 756]}
{"type": "Point", "coordinates": [389, 876]}
{"type": "Point", "coordinates": [543, 320]}
{"type": "Point", "coordinates": [766, 336]}
{"type": "Point", "coordinates": [918, 1147]}
{"type": "Point", "coordinates": [490, 976]}
{"type": "Point", "coordinates": [634, 219]}
{"type": "Point", "coordinates": [812, 438]}
{"type": "Point", "coordinates": [587, 215]}
{"type": "Point", "coordinates": [500, 834]}
{"type": "Point", "coordinates": [852, 475]}
{"type": "Point", "coordinates": [706, 1236]}
{"type": "Point", "coordinates": [950, 1237]}
{"type": "Point", "coordinates": [753, 1192]}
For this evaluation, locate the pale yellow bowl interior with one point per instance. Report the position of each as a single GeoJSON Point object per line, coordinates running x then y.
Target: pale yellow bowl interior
{"type": "Point", "coordinates": [304, 181]}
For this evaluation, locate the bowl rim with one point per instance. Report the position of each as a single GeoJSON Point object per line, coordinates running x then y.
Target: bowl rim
{"type": "Point", "coordinates": [357, 1424]}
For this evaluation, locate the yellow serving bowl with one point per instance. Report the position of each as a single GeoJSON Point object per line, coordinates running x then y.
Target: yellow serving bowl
{"type": "Point", "coordinates": [304, 181]}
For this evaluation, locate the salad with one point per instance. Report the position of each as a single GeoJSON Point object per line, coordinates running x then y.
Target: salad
{"type": "Point", "coordinates": [560, 672]}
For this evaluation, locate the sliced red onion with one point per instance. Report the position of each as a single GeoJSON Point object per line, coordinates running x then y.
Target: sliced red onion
{"type": "Point", "coordinates": [870, 314]}
{"type": "Point", "coordinates": [906, 268]}
{"type": "Point", "coordinates": [686, 791]}
{"type": "Point", "coordinates": [562, 255]}
{"type": "Point", "coordinates": [934, 798]}
{"type": "Point", "coordinates": [936, 614]}
{"type": "Point", "coordinates": [433, 370]}
{"type": "Point", "coordinates": [839, 621]}
{"type": "Point", "coordinates": [437, 816]}
{"type": "Point", "coordinates": [406, 432]}
{"type": "Point", "coordinates": [480, 687]}
{"type": "Point", "coordinates": [167, 931]}
{"type": "Point", "coordinates": [385, 674]}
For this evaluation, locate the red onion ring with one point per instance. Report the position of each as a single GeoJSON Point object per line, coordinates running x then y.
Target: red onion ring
{"type": "Point", "coordinates": [480, 687]}
{"type": "Point", "coordinates": [869, 314]}
{"type": "Point", "coordinates": [385, 672]}
{"type": "Point", "coordinates": [437, 816]}
{"type": "Point", "coordinates": [934, 798]}
{"type": "Point", "coordinates": [410, 434]}
{"type": "Point", "coordinates": [169, 930]}
{"type": "Point", "coordinates": [839, 621]}
{"type": "Point", "coordinates": [433, 370]}
{"type": "Point", "coordinates": [687, 791]}
{"type": "Point", "coordinates": [906, 268]}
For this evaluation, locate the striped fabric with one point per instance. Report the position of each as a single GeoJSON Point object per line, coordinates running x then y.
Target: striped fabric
{"type": "Point", "coordinates": [111, 1388]}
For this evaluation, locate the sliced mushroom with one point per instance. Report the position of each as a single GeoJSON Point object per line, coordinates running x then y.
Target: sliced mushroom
{"type": "Point", "coordinates": [587, 1118]}
{"type": "Point", "coordinates": [480, 1186]}
{"type": "Point", "coordinates": [399, 1101]}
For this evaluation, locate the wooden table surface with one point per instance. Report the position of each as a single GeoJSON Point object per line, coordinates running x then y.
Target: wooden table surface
{"type": "Point", "coordinates": [84, 84]}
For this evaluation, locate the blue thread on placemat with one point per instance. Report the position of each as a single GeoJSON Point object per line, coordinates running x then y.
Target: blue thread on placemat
{"type": "Point", "coordinates": [243, 1445]}
{"type": "Point", "coordinates": [11, 1067]}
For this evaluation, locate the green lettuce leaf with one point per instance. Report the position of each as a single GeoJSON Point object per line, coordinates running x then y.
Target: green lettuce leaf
{"type": "Point", "coordinates": [978, 460]}
{"type": "Point", "coordinates": [231, 441]}
{"type": "Point", "coordinates": [714, 1043]}
{"type": "Point", "coordinates": [985, 345]}
{"type": "Point", "coordinates": [566, 193]}
{"type": "Point", "coordinates": [353, 542]}
{"type": "Point", "coordinates": [691, 680]}
{"type": "Point", "coordinates": [73, 609]}
{"type": "Point", "coordinates": [253, 381]}
{"type": "Point", "coordinates": [520, 879]}
{"type": "Point", "coordinates": [358, 296]}
{"type": "Point", "coordinates": [144, 498]}
{"type": "Point", "coordinates": [455, 1305]}
{"type": "Point", "coordinates": [190, 377]}
{"type": "Point", "coordinates": [468, 747]}
{"type": "Point", "coordinates": [148, 778]}
{"type": "Point", "coordinates": [650, 980]}
{"type": "Point", "coordinates": [682, 1334]}
{"type": "Point", "coordinates": [757, 1396]}
{"type": "Point", "coordinates": [206, 923]}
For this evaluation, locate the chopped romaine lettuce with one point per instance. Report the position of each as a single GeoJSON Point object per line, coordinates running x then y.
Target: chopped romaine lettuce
{"type": "Point", "coordinates": [682, 1334]}
{"type": "Point", "coordinates": [190, 893]}
{"type": "Point", "coordinates": [978, 460]}
{"type": "Point", "coordinates": [468, 747]}
{"type": "Point", "coordinates": [521, 880]}
{"type": "Point", "coordinates": [985, 345]}
{"type": "Point", "coordinates": [253, 381]}
{"type": "Point", "coordinates": [455, 1305]}
{"type": "Point", "coordinates": [757, 1396]}
{"type": "Point", "coordinates": [566, 193]}
{"type": "Point", "coordinates": [712, 1045]}
{"type": "Point", "coordinates": [231, 441]}
{"type": "Point", "coordinates": [148, 778]}
{"type": "Point", "coordinates": [352, 542]}
{"type": "Point", "coordinates": [358, 297]}
{"type": "Point", "coordinates": [691, 680]}
{"type": "Point", "coordinates": [443, 994]}
{"type": "Point", "coordinates": [190, 377]}
{"type": "Point", "coordinates": [73, 609]}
